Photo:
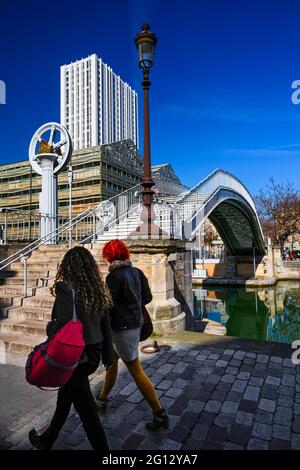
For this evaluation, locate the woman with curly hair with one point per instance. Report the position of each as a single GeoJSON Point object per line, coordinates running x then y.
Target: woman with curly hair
{"type": "Point", "coordinates": [130, 293]}
{"type": "Point", "coordinates": [79, 272]}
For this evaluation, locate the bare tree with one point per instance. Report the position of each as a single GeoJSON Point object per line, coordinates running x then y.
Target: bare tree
{"type": "Point", "coordinates": [278, 207]}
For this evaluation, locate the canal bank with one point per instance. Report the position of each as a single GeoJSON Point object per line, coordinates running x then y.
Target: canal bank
{"type": "Point", "coordinates": [266, 312]}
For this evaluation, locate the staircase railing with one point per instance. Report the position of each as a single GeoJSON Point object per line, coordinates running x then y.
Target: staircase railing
{"type": "Point", "coordinates": [81, 225]}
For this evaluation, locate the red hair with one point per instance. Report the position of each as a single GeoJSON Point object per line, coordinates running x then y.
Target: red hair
{"type": "Point", "coordinates": [115, 250]}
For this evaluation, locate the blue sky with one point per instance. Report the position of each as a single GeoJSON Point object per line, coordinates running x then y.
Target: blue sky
{"type": "Point", "coordinates": [221, 83]}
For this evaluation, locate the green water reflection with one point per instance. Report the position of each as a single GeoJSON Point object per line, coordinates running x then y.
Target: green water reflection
{"type": "Point", "coordinates": [271, 314]}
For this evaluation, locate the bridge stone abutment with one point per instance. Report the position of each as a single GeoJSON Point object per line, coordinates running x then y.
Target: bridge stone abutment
{"type": "Point", "coordinates": [167, 265]}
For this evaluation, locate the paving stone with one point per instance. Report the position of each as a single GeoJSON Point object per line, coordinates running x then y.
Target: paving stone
{"type": "Point", "coordinates": [173, 392]}
{"type": "Point", "coordinates": [166, 368]}
{"type": "Point", "coordinates": [281, 432]}
{"type": "Point", "coordinates": [288, 379]}
{"type": "Point", "coordinates": [257, 444]}
{"type": "Point", "coordinates": [206, 418]}
{"type": "Point", "coordinates": [214, 356]}
{"type": "Point", "coordinates": [136, 397]}
{"type": "Point", "coordinates": [296, 424]}
{"type": "Point", "coordinates": [232, 370]}
{"type": "Point", "coordinates": [249, 362]}
{"type": "Point", "coordinates": [243, 375]}
{"type": "Point", "coordinates": [192, 444]}
{"type": "Point", "coordinates": [223, 386]}
{"type": "Point", "coordinates": [179, 433]}
{"type": "Point", "coordinates": [262, 358]}
{"type": "Point", "coordinates": [235, 363]}
{"type": "Point", "coordinates": [193, 352]}
{"type": "Point", "coordinates": [135, 417]}
{"type": "Point", "coordinates": [195, 406]}
{"type": "Point", "coordinates": [229, 407]}
{"type": "Point", "coordinates": [242, 417]}
{"type": "Point", "coordinates": [229, 352]}
{"type": "Point", "coordinates": [288, 363]}
{"type": "Point", "coordinates": [213, 406]}
{"type": "Point", "coordinates": [212, 446]}
{"type": "Point", "coordinates": [200, 358]}
{"type": "Point", "coordinates": [167, 402]}
{"type": "Point", "coordinates": [200, 432]}
{"type": "Point", "coordinates": [132, 442]}
{"type": "Point", "coordinates": [263, 417]}
{"type": "Point", "coordinates": [248, 405]}
{"type": "Point", "coordinates": [188, 419]}
{"type": "Point", "coordinates": [239, 433]}
{"type": "Point", "coordinates": [221, 363]}
{"type": "Point", "coordinates": [296, 408]}
{"type": "Point", "coordinates": [269, 391]}
{"type": "Point", "coordinates": [251, 355]}
{"type": "Point", "coordinates": [279, 444]}
{"type": "Point", "coordinates": [286, 390]}
{"type": "Point", "coordinates": [228, 378]}
{"type": "Point", "coordinates": [285, 401]}
{"type": "Point", "coordinates": [164, 384]}
{"type": "Point", "coordinates": [181, 383]}
{"type": "Point", "coordinates": [168, 444]}
{"type": "Point", "coordinates": [234, 396]}
{"type": "Point", "coordinates": [239, 386]}
{"type": "Point", "coordinates": [72, 439]}
{"type": "Point", "coordinates": [267, 405]}
{"type": "Point", "coordinates": [239, 355]}
{"type": "Point", "coordinates": [283, 415]}
{"type": "Point", "coordinates": [295, 441]}
{"type": "Point", "coordinates": [128, 390]}
{"type": "Point", "coordinates": [272, 381]}
{"type": "Point", "coordinates": [262, 431]}
{"type": "Point", "coordinates": [218, 395]}
{"type": "Point", "coordinates": [177, 406]}
{"type": "Point", "coordinates": [232, 446]}
{"type": "Point", "coordinates": [256, 381]}
{"type": "Point", "coordinates": [217, 434]}
{"type": "Point", "coordinates": [252, 393]}
{"type": "Point", "coordinates": [224, 420]}
{"type": "Point", "coordinates": [276, 359]}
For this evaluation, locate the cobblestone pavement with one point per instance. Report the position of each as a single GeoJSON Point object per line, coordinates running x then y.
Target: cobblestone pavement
{"type": "Point", "coordinates": [217, 396]}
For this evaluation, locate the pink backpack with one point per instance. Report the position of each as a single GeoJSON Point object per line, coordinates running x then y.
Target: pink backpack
{"type": "Point", "coordinates": [52, 363]}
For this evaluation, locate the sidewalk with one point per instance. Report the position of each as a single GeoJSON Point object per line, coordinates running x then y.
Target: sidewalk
{"type": "Point", "coordinates": [220, 393]}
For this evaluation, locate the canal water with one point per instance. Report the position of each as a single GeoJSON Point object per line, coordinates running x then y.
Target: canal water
{"type": "Point", "coordinates": [271, 314]}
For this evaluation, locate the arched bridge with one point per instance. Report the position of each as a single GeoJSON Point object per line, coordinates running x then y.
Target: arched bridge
{"type": "Point", "coordinates": [225, 201]}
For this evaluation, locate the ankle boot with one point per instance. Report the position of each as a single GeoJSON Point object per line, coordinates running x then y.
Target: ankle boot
{"type": "Point", "coordinates": [38, 440]}
{"type": "Point", "coordinates": [160, 419]}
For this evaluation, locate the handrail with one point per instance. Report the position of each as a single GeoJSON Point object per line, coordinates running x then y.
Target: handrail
{"type": "Point", "coordinates": [58, 231]}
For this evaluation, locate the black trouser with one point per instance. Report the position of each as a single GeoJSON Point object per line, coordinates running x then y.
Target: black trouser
{"type": "Point", "coordinates": [77, 391]}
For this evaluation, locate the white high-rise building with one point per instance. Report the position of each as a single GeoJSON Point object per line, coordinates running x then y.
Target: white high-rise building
{"type": "Point", "coordinates": [96, 106]}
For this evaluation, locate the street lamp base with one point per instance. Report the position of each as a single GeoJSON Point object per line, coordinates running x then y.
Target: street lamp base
{"type": "Point", "coordinates": [149, 231]}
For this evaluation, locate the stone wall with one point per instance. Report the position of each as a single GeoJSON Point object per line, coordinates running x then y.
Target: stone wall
{"type": "Point", "coordinates": [167, 265]}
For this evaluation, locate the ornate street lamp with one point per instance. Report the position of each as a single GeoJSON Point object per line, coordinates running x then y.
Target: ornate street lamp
{"type": "Point", "coordinates": [145, 42]}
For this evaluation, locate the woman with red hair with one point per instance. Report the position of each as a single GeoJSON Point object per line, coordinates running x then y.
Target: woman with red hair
{"type": "Point", "coordinates": [130, 292]}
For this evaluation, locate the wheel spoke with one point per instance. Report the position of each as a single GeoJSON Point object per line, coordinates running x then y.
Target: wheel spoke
{"type": "Point", "coordinates": [52, 135]}
{"type": "Point", "coordinates": [59, 144]}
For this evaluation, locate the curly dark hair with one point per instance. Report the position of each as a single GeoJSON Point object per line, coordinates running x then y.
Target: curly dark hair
{"type": "Point", "coordinates": [79, 268]}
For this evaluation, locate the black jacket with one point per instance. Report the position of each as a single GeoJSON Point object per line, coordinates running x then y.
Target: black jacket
{"type": "Point", "coordinates": [130, 291]}
{"type": "Point", "coordinates": [96, 325]}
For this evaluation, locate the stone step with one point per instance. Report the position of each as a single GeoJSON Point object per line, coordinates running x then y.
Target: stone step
{"type": "Point", "coordinates": [39, 301]}
{"type": "Point", "coordinates": [30, 313]}
{"type": "Point", "coordinates": [26, 327]}
{"type": "Point", "coordinates": [20, 344]}
{"type": "Point", "coordinates": [15, 290]}
{"type": "Point", "coordinates": [30, 272]}
{"type": "Point", "coordinates": [18, 281]}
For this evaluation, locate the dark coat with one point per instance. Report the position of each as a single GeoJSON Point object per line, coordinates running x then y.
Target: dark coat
{"type": "Point", "coordinates": [130, 291]}
{"type": "Point", "coordinates": [96, 325]}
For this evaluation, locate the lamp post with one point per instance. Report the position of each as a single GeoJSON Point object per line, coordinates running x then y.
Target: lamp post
{"type": "Point", "coordinates": [145, 42]}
